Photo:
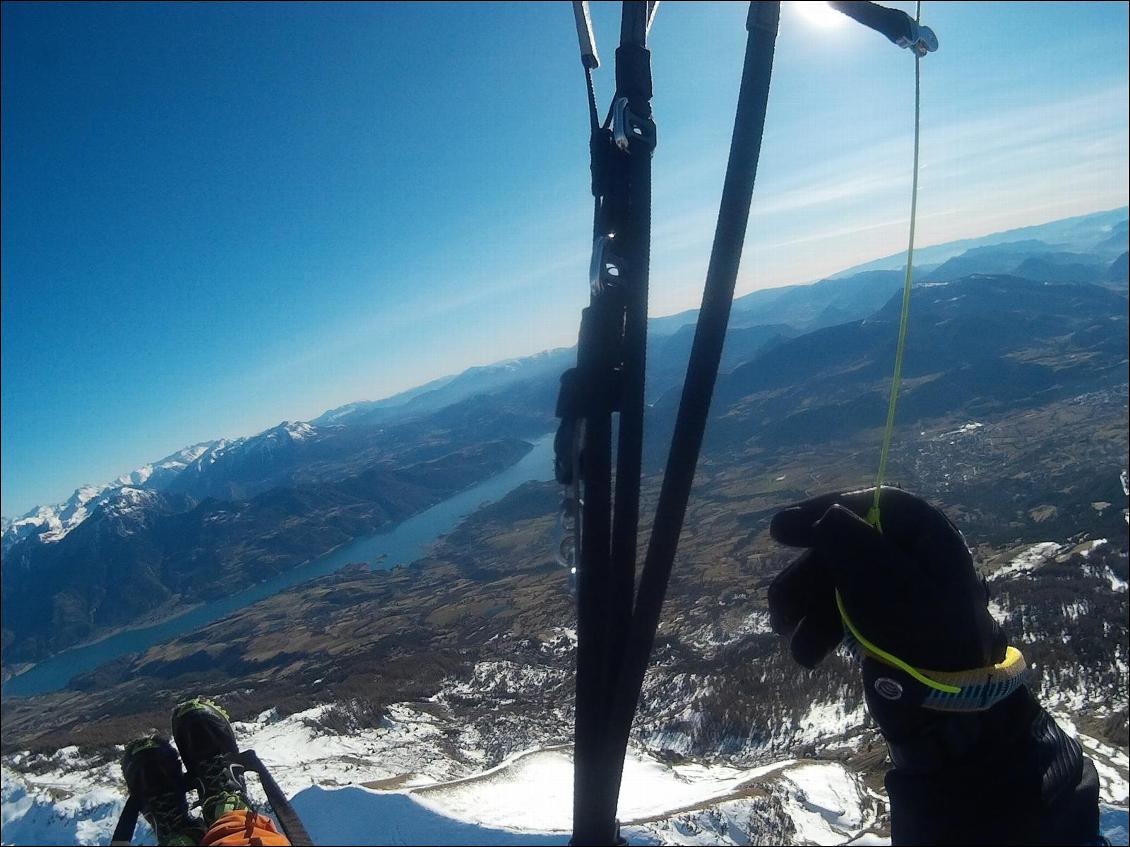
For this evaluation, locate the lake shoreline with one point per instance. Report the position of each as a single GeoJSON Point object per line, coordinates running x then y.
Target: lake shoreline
{"type": "Point", "coordinates": [368, 549]}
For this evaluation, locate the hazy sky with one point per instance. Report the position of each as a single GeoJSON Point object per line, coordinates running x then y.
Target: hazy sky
{"type": "Point", "coordinates": [217, 217]}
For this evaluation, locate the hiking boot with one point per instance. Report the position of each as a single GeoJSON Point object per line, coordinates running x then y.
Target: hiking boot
{"type": "Point", "coordinates": [206, 742]}
{"type": "Point", "coordinates": [153, 774]}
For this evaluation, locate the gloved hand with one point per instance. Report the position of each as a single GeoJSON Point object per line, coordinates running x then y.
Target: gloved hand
{"type": "Point", "coordinates": [911, 589]}
{"type": "Point", "coordinates": [987, 765]}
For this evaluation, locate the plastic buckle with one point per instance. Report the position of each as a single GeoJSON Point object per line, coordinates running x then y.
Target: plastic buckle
{"type": "Point", "coordinates": [628, 127]}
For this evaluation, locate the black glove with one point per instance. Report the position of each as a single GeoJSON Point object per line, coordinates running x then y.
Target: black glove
{"type": "Point", "coordinates": [911, 589]}
{"type": "Point", "coordinates": [1006, 774]}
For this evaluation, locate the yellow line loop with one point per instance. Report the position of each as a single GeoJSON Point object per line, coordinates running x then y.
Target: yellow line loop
{"type": "Point", "coordinates": [892, 659]}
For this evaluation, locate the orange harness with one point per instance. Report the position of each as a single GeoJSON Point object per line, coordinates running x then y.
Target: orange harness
{"type": "Point", "coordinates": [244, 828]}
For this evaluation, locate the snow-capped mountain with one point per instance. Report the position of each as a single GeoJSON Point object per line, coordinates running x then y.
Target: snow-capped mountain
{"type": "Point", "coordinates": [282, 455]}
{"type": "Point", "coordinates": [286, 455]}
{"type": "Point", "coordinates": [51, 523]}
{"type": "Point", "coordinates": [228, 469]}
{"type": "Point", "coordinates": [158, 474]}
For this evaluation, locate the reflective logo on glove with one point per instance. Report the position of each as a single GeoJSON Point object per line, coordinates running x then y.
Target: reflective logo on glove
{"type": "Point", "coordinates": [888, 688]}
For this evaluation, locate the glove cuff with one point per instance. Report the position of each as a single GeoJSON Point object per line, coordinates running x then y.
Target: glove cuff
{"type": "Point", "coordinates": [1008, 775]}
{"type": "Point", "coordinates": [973, 690]}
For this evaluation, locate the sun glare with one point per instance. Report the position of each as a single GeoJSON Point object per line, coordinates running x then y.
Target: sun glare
{"type": "Point", "coordinates": [817, 13]}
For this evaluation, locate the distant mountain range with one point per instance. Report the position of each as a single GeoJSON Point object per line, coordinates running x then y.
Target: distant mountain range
{"type": "Point", "coordinates": [448, 390]}
{"type": "Point", "coordinates": [976, 347]}
{"type": "Point", "coordinates": [1104, 233]}
{"type": "Point", "coordinates": [1011, 319]}
{"type": "Point", "coordinates": [1100, 238]}
{"type": "Point", "coordinates": [1089, 248]}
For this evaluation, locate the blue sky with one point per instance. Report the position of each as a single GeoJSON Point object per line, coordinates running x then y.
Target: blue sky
{"type": "Point", "coordinates": [217, 217]}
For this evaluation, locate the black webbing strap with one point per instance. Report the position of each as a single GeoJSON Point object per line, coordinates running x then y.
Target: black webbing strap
{"type": "Point", "coordinates": [896, 25]}
{"type": "Point", "coordinates": [127, 822]}
{"type": "Point", "coordinates": [595, 809]}
{"type": "Point", "coordinates": [284, 812]}
{"type": "Point", "coordinates": [633, 85]}
{"type": "Point", "coordinates": [609, 378]}
{"type": "Point", "coordinates": [899, 27]}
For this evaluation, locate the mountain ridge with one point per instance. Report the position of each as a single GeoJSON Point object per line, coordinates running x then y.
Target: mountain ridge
{"type": "Point", "coordinates": [788, 310]}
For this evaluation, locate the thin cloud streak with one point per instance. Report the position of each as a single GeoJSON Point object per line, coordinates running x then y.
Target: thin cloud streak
{"type": "Point", "coordinates": [1027, 160]}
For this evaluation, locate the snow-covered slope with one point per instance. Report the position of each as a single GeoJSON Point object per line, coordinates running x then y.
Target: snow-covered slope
{"type": "Point", "coordinates": [50, 523]}
{"type": "Point", "coordinates": [158, 474]}
{"type": "Point", "coordinates": [69, 799]}
{"type": "Point", "coordinates": [405, 783]}
{"type": "Point", "coordinates": [394, 785]}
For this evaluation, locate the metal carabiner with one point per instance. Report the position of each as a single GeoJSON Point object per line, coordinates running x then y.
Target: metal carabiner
{"type": "Point", "coordinates": [921, 39]}
{"type": "Point", "coordinates": [628, 127]}
{"type": "Point", "coordinates": [566, 535]}
{"type": "Point", "coordinates": [604, 268]}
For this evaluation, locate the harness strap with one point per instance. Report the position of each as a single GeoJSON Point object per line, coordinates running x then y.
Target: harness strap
{"type": "Point", "coordinates": [127, 822]}
{"type": "Point", "coordinates": [609, 377]}
{"type": "Point", "coordinates": [280, 805]}
{"type": "Point", "coordinates": [615, 639]}
{"type": "Point", "coordinates": [896, 25]}
{"type": "Point", "coordinates": [702, 372]}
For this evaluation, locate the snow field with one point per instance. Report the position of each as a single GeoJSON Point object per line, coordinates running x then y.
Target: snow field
{"type": "Point", "coordinates": [69, 798]}
{"type": "Point", "coordinates": [533, 791]}
{"type": "Point", "coordinates": [404, 783]}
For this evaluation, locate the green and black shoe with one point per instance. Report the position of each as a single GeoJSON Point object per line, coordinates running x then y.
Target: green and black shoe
{"type": "Point", "coordinates": [153, 774]}
{"type": "Point", "coordinates": [204, 736]}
